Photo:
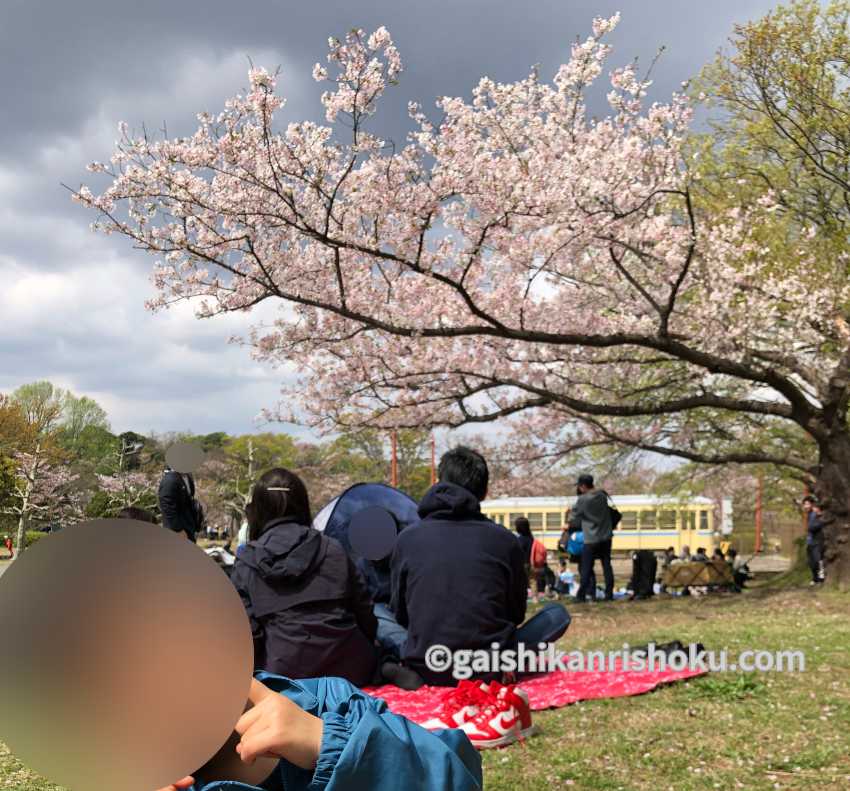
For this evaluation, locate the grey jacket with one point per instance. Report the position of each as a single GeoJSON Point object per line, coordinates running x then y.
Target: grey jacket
{"type": "Point", "coordinates": [591, 515]}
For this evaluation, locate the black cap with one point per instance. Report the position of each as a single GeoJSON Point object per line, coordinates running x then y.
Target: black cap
{"type": "Point", "coordinates": [585, 480]}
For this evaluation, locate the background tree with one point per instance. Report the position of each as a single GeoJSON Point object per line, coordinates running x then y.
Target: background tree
{"type": "Point", "coordinates": [517, 256]}
{"type": "Point", "coordinates": [80, 413]}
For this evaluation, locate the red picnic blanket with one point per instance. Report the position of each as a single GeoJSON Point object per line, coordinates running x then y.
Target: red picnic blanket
{"type": "Point", "coordinates": [548, 691]}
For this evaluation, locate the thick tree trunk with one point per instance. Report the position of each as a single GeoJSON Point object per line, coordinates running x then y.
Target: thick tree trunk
{"type": "Point", "coordinates": [833, 488]}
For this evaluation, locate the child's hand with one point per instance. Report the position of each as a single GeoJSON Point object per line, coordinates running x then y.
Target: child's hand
{"type": "Point", "coordinates": [278, 728]}
{"type": "Point", "coordinates": [184, 783]}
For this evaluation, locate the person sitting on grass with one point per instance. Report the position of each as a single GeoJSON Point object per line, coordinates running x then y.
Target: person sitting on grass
{"type": "Point", "coordinates": [565, 579]}
{"type": "Point", "coordinates": [326, 735]}
{"type": "Point", "coordinates": [459, 579]}
{"type": "Point", "coordinates": [309, 608]}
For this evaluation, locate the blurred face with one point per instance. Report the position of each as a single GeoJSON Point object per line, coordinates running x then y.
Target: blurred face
{"type": "Point", "coordinates": [807, 506]}
{"type": "Point", "coordinates": [109, 651]}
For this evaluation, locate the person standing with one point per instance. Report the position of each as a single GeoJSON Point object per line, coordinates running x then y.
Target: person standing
{"type": "Point", "coordinates": [181, 512]}
{"type": "Point", "coordinates": [592, 515]}
{"type": "Point", "coordinates": [815, 539]}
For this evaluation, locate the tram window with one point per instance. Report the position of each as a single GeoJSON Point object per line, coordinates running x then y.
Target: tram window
{"type": "Point", "coordinates": [648, 520]}
{"type": "Point", "coordinates": [629, 520]}
{"type": "Point", "coordinates": [667, 520]}
{"type": "Point", "coordinates": [512, 519]}
{"type": "Point", "coordinates": [703, 520]}
{"type": "Point", "coordinates": [553, 520]}
{"type": "Point", "coordinates": [535, 521]}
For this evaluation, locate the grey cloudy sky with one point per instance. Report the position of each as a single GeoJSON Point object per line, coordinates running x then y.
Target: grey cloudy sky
{"type": "Point", "coordinates": [71, 302]}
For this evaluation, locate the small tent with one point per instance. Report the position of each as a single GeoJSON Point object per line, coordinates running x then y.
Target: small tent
{"type": "Point", "coordinates": [335, 521]}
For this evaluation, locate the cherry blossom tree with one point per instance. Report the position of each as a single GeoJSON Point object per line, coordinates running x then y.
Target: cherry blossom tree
{"type": "Point", "coordinates": [125, 489]}
{"type": "Point", "coordinates": [43, 491]}
{"type": "Point", "coordinates": [515, 258]}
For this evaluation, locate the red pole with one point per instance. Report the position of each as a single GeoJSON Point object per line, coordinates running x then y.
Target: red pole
{"type": "Point", "coordinates": [759, 494]}
{"type": "Point", "coordinates": [433, 459]}
{"type": "Point", "coordinates": [394, 461]}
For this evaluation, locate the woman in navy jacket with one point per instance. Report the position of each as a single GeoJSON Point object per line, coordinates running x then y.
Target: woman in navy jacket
{"type": "Point", "coordinates": [309, 608]}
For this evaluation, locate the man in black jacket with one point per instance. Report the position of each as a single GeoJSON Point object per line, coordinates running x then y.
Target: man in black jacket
{"type": "Point", "coordinates": [458, 579]}
{"type": "Point", "coordinates": [815, 540]}
{"type": "Point", "coordinates": [180, 510]}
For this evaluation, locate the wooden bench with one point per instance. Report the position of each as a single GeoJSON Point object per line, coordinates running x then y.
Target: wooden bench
{"type": "Point", "coordinates": [715, 573]}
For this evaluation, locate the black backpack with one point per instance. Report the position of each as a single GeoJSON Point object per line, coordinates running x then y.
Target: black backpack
{"type": "Point", "coordinates": [644, 569]}
{"type": "Point", "coordinates": [613, 511]}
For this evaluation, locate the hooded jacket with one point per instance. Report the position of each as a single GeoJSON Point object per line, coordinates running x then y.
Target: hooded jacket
{"type": "Point", "coordinates": [310, 611]}
{"type": "Point", "coordinates": [365, 747]}
{"type": "Point", "coordinates": [458, 579]}
{"type": "Point", "coordinates": [592, 515]}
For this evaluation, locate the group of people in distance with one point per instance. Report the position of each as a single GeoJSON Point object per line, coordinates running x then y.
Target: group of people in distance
{"type": "Point", "coordinates": [457, 580]}
{"type": "Point", "coordinates": [740, 570]}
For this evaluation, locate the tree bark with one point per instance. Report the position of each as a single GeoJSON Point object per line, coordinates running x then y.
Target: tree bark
{"type": "Point", "coordinates": [833, 488]}
{"type": "Point", "coordinates": [23, 520]}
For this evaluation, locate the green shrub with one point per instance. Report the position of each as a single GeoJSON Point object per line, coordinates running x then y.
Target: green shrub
{"type": "Point", "coordinates": [32, 536]}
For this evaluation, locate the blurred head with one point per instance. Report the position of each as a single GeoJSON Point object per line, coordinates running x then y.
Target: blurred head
{"type": "Point", "coordinates": [671, 551]}
{"type": "Point", "coordinates": [584, 483]}
{"type": "Point", "coordinates": [718, 553]}
{"type": "Point", "coordinates": [686, 550]}
{"type": "Point", "coordinates": [139, 514]}
{"type": "Point", "coordinates": [465, 467]}
{"type": "Point", "coordinates": [817, 507]}
{"type": "Point", "coordinates": [808, 503]}
{"type": "Point", "coordinates": [523, 527]}
{"type": "Point", "coordinates": [732, 553]}
{"type": "Point", "coordinates": [278, 494]}
{"type": "Point", "coordinates": [563, 564]}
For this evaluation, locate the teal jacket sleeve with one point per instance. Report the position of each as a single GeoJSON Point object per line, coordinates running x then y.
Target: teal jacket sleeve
{"type": "Point", "coordinates": [365, 747]}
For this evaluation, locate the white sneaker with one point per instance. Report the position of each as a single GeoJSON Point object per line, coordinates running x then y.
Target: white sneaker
{"type": "Point", "coordinates": [506, 719]}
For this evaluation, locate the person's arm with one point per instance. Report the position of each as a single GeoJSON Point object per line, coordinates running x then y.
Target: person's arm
{"type": "Point", "coordinates": [577, 514]}
{"type": "Point", "coordinates": [239, 578]}
{"type": "Point", "coordinates": [361, 744]}
{"type": "Point", "coordinates": [398, 587]}
{"type": "Point", "coordinates": [361, 602]}
{"type": "Point", "coordinates": [518, 585]}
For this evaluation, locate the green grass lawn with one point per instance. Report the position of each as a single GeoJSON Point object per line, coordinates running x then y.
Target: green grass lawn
{"type": "Point", "coordinates": [788, 731]}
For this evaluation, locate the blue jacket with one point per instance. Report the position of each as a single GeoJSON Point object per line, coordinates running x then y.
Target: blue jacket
{"type": "Point", "coordinates": [365, 747]}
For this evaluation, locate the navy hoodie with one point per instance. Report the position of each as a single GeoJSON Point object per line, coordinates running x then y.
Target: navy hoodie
{"type": "Point", "coordinates": [310, 611]}
{"type": "Point", "coordinates": [458, 579]}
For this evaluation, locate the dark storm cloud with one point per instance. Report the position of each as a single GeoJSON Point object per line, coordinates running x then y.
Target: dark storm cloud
{"type": "Point", "coordinates": [73, 302]}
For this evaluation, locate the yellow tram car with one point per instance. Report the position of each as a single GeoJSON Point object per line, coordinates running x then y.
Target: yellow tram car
{"type": "Point", "coordinates": [649, 522]}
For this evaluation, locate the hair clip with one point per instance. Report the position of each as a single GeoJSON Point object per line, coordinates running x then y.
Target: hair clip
{"type": "Point", "coordinates": [277, 488]}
